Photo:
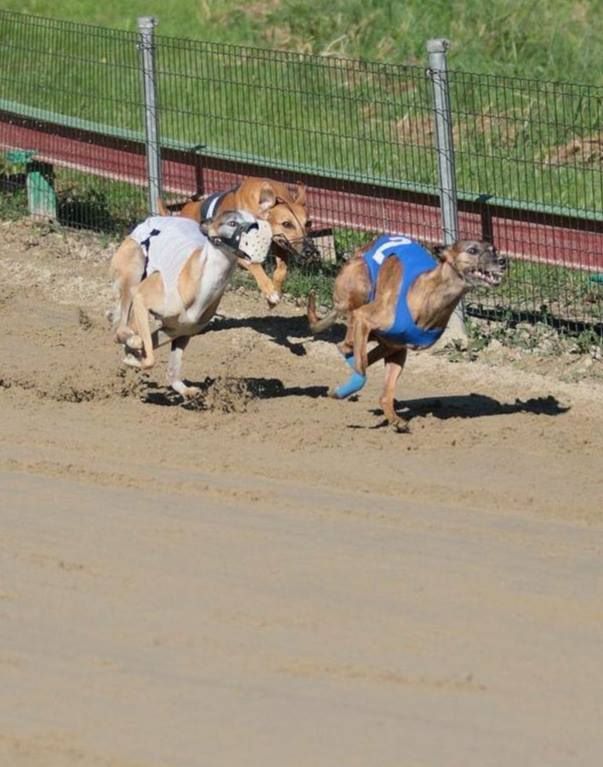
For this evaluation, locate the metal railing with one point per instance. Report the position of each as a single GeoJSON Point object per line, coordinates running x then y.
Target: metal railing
{"type": "Point", "coordinates": [526, 156]}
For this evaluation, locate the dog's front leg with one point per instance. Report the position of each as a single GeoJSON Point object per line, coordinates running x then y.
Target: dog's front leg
{"type": "Point", "coordinates": [394, 363]}
{"type": "Point", "coordinates": [264, 282]}
{"type": "Point", "coordinates": [174, 369]}
{"type": "Point", "coordinates": [280, 274]}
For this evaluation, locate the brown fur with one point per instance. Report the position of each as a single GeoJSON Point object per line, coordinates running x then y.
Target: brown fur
{"type": "Point", "coordinates": [286, 213]}
{"type": "Point", "coordinates": [284, 209]}
{"type": "Point", "coordinates": [193, 310]}
{"type": "Point", "coordinates": [431, 300]}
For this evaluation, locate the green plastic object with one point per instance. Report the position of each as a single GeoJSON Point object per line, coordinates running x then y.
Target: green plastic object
{"type": "Point", "coordinates": [19, 156]}
{"type": "Point", "coordinates": [41, 197]}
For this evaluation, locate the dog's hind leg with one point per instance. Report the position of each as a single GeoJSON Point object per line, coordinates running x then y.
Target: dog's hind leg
{"type": "Point", "coordinates": [394, 363]}
{"type": "Point", "coordinates": [127, 269]}
{"type": "Point", "coordinates": [356, 381]}
{"type": "Point", "coordinates": [149, 296]}
{"type": "Point", "coordinates": [318, 324]}
{"type": "Point", "coordinates": [379, 314]}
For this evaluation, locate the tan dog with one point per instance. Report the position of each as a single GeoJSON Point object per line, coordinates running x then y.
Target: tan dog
{"type": "Point", "coordinates": [285, 209]}
{"type": "Point", "coordinates": [188, 271]}
{"type": "Point", "coordinates": [395, 293]}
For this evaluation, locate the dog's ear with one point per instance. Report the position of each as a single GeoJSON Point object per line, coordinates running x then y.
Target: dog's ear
{"type": "Point", "coordinates": [267, 199]}
{"type": "Point", "coordinates": [298, 194]}
{"type": "Point", "coordinates": [438, 252]}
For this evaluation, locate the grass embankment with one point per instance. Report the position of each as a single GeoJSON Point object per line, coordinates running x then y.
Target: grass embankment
{"type": "Point", "coordinates": [560, 40]}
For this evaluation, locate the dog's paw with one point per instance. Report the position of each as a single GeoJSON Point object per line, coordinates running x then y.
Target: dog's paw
{"type": "Point", "coordinates": [400, 426]}
{"type": "Point", "coordinates": [134, 343]}
{"type": "Point", "coordinates": [131, 361]}
{"type": "Point", "coordinates": [273, 299]}
{"type": "Point", "coordinates": [188, 392]}
{"type": "Point", "coordinates": [122, 335]}
{"type": "Point", "coordinates": [191, 392]}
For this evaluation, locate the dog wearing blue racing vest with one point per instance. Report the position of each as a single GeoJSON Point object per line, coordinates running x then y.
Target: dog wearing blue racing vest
{"type": "Point", "coordinates": [395, 292]}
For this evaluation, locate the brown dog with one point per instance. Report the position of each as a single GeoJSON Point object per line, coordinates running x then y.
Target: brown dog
{"type": "Point", "coordinates": [394, 292]}
{"type": "Point", "coordinates": [282, 207]}
{"type": "Point", "coordinates": [285, 209]}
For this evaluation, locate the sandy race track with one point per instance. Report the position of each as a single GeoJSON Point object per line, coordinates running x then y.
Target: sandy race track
{"type": "Point", "coordinates": [270, 578]}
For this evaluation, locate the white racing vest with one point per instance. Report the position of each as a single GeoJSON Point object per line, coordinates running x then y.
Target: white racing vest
{"type": "Point", "coordinates": [168, 241]}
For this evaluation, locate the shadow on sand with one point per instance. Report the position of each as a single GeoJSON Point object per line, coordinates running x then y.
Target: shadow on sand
{"type": "Point", "coordinates": [227, 391]}
{"type": "Point", "coordinates": [470, 406]}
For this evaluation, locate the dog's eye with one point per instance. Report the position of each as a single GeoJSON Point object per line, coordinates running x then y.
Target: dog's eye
{"type": "Point", "coordinates": [232, 223]}
{"type": "Point", "coordinates": [288, 225]}
{"type": "Point", "coordinates": [473, 251]}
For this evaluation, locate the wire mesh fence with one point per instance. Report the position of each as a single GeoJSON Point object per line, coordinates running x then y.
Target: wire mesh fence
{"type": "Point", "coordinates": [360, 135]}
{"type": "Point", "coordinates": [537, 148]}
{"type": "Point", "coordinates": [59, 82]}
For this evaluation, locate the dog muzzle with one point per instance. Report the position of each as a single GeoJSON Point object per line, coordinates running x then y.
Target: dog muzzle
{"type": "Point", "coordinates": [249, 241]}
{"type": "Point", "coordinates": [255, 242]}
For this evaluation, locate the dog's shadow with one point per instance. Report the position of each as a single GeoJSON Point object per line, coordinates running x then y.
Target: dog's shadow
{"type": "Point", "coordinates": [244, 388]}
{"type": "Point", "coordinates": [470, 406]}
{"type": "Point", "coordinates": [281, 330]}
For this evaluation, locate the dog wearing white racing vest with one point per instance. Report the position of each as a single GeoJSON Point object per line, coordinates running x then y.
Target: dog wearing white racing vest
{"type": "Point", "coordinates": [187, 270]}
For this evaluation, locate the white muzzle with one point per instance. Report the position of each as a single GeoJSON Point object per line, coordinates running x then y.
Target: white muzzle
{"type": "Point", "coordinates": [255, 243]}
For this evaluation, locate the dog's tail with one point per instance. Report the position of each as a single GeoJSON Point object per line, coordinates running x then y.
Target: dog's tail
{"type": "Point", "coordinates": [318, 324]}
{"type": "Point", "coordinates": [162, 208]}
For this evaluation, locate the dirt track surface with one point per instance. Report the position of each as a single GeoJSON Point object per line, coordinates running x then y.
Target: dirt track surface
{"type": "Point", "coordinates": [269, 577]}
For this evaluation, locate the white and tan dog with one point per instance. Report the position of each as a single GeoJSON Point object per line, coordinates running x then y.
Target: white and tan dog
{"type": "Point", "coordinates": [186, 273]}
{"type": "Point", "coordinates": [281, 205]}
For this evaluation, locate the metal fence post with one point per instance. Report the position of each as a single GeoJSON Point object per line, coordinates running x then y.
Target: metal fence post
{"type": "Point", "coordinates": [444, 140]}
{"type": "Point", "coordinates": [146, 27]}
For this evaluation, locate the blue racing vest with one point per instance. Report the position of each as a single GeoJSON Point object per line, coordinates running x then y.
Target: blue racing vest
{"type": "Point", "coordinates": [415, 261]}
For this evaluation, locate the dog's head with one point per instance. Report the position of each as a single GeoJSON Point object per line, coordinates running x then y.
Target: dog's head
{"type": "Point", "coordinates": [239, 233]}
{"type": "Point", "coordinates": [476, 262]}
{"type": "Point", "coordinates": [285, 210]}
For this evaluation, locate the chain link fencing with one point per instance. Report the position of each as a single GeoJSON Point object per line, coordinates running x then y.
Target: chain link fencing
{"type": "Point", "coordinates": [526, 155]}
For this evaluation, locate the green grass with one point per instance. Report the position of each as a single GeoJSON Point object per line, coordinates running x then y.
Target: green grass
{"type": "Point", "coordinates": [560, 40]}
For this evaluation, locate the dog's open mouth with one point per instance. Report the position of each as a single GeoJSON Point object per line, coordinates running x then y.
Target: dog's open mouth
{"type": "Point", "coordinates": [489, 277]}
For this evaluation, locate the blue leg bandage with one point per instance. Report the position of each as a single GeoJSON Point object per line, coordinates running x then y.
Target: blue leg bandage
{"type": "Point", "coordinates": [354, 383]}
